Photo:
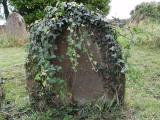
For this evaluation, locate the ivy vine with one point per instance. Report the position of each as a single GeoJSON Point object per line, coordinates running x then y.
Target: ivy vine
{"type": "Point", "coordinates": [71, 17]}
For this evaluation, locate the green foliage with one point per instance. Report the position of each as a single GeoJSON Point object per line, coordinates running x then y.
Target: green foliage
{"type": "Point", "coordinates": [34, 9]}
{"type": "Point", "coordinates": [150, 10]}
{"type": "Point", "coordinates": [43, 45]}
{"type": "Point", "coordinates": [147, 34]}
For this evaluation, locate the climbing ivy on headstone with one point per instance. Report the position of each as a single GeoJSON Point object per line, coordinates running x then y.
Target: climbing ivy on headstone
{"type": "Point", "coordinates": [42, 46]}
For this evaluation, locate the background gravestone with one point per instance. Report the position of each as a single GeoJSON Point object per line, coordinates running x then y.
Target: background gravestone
{"type": "Point", "coordinates": [16, 27]}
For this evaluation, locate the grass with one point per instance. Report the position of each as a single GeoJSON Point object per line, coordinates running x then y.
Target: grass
{"type": "Point", "coordinates": [143, 90]}
{"type": "Point", "coordinates": [6, 41]}
{"type": "Point", "coordinates": [147, 33]}
{"type": "Point", "coordinates": [13, 74]}
{"type": "Point", "coordinates": [10, 57]}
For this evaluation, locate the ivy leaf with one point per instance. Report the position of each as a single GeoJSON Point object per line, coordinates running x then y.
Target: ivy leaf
{"type": "Point", "coordinates": [79, 45]}
{"type": "Point", "coordinates": [38, 78]}
{"type": "Point", "coordinates": [60, 24]}
{"type": "Point", "coordinates": [51, 81]}
{"type": "Point", "coordinates": [114, 55]}
{"type": "Point", "coordinates": [51, 57]}
{"type": "Point", "coordinates": [124, 69]}
{"type": "Point", "coordinates": [112, 48]}
{"type": "Point", "coordinates": [65, 20]}
{"type": "Point", "coordinates": [55, 80]}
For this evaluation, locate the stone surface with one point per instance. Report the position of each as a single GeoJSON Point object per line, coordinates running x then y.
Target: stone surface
{"type": "Point", "coordinates": [85, 84]}
{"type": "Point", "coordinates": [16, 27]}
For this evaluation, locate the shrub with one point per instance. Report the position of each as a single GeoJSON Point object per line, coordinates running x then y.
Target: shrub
{"type": "Point", "coordinates": [148, 10]}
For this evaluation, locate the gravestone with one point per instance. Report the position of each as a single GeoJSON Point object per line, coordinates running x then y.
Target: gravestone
{"type": "Point", "coordinates": [98, 79]}
{"type": "Point", "coordinates": [16, 27]}
{"type": "Point", "coordinates": [86, 84]}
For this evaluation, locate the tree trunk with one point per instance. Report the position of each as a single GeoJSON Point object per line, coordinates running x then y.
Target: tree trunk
{"type": "Point", "coordinates": [5, 6]}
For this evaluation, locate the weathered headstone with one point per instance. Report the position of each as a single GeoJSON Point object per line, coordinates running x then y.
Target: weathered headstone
{"type": "Point", "coordinates": [16, 27]}
{"type": "Point", "coordinates": [86, 84]}
{"type": "Point", "coordinates": [99, 74]}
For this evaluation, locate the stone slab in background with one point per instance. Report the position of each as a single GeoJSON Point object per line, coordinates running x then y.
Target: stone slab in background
{"type": "Point", "coordinates": [16, 27]}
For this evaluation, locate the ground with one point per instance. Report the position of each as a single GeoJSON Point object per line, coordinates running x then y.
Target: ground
{"type": "Point", "coordinates": [13, 75]}
{"type": "Point", "coordinates": [142, 86]}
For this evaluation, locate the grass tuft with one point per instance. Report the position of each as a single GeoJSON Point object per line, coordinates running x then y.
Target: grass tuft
{"type": "Point", "coordinates": [6, 41]}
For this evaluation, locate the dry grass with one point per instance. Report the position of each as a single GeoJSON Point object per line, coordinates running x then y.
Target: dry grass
{"type": "Point", "coordinates": [6, 41]}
